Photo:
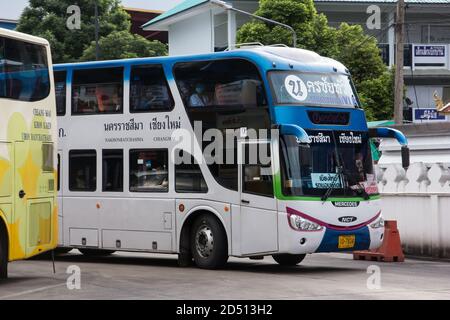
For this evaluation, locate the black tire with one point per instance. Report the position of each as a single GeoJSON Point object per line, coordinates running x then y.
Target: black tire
{"type": "Point", "coordinates": [184, 260]}
{"type": "Point", "coordinates": [288, 260]}
{"type": "Point", "coordinates": [96, 252]}
{"type": "Point", "coordinates": [209, 244]}
{"type": "Point", "coordinates": [3, 255]}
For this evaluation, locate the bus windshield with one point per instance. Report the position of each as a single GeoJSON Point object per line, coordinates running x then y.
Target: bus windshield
{"type": "Point", "coordinates": [336, 160]}
{"type": "Point", "coordinates": [313, 89]}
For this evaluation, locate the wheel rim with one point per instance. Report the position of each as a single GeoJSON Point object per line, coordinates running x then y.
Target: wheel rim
{"type": "Point", "coordinates": [204, 241]}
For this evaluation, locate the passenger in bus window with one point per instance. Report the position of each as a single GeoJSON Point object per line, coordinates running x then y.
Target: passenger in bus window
{"type": "Point", "coordinates": [359, 164]}
{"type": "Point", "coordinates": [185, 91]}
{"type": "Point", "coordinates": [102, 99]}
{"type": "Point", "coordinates": [199, 98]}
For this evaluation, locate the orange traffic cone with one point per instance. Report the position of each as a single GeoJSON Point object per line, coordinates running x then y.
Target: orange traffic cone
{"type": "Point", "coordinates": [390, 250]}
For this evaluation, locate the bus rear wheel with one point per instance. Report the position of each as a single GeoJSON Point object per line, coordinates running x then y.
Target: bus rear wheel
{"type": "Point", "coordinates": [96, 252]}
{"type": "Point", "coordinates": [3, 256]}
{"type": "Point", "coordinates": [209, 245]}
{"type": "Point", "coordinates": [286, 259]}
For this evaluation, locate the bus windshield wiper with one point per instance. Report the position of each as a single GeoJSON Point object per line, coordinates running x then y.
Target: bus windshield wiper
{"type": "Point", "coordinates": [327, 194]}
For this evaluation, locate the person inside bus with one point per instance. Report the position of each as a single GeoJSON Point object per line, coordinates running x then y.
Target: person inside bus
{"type": "Point", "coordinates": [199, 98]}
{"type": "Point", "coordinates": [185, 91]}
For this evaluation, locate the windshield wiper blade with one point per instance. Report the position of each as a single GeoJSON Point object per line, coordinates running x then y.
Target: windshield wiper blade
{"type": "Point", "coordinates": [327, 194]}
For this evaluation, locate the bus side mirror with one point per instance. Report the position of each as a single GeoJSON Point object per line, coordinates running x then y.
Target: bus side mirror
{"type": "Point", "coordinates": [294, 130]}
{"type": "Point", "coordinates": [405, 157]}
{"type": "Point", "coordinates": [381, 132]}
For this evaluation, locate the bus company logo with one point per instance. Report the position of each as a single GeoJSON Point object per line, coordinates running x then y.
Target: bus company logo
{"type": "Point", "coordinates": [347, 219]}
{"type": "Point", "coordinates": [346, 204]}
{"type": "Point", "coordinates": [296, 87]}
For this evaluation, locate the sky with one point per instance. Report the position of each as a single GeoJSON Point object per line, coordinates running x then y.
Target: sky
{"type": "Point", "coordinates": [13, 9]}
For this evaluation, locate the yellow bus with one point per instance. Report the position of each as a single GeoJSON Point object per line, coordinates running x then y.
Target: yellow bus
{"type": "Point", "coordinates": [28, 175]}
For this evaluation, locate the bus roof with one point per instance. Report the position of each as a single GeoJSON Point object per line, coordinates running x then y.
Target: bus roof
{"type": "Point", "coordinates": [22, 36]}
{"type": "Point", "coordinates": [267, 57]}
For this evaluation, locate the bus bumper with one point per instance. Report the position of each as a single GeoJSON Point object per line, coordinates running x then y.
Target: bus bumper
{"type": "Point", "coordinates": [326, 240]}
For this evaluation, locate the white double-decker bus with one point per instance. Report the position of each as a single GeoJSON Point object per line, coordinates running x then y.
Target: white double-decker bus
{"type": "Point", "coordinates": [123, 126]}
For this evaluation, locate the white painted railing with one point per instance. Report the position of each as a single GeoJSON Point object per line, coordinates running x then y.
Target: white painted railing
{"type": "Point", "coordinates": [419, 199]}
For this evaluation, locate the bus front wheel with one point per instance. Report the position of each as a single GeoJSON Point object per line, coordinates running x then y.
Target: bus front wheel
{"type": "Point", "coordinates": [288, 259]}
{"type": "Point", "coordinates": [3, 256]}
{"type": "Point", "coordinates": [209, 245]}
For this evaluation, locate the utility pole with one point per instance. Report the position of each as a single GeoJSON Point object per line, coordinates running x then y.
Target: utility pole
{"type": "Point", "coordinates": [97, 48]}
{"type": "Point", "coordinates": [399, 83]}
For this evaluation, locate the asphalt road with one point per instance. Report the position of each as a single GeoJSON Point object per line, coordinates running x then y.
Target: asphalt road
{"type": "Point", "coordinates": [146, 276]}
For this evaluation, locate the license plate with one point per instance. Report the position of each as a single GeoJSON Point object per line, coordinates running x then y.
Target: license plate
{"type": "Point", "coordinates": [346, 242]}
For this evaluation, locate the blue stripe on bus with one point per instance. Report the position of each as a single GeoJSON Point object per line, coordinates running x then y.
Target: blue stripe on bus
{"type": "Point", "coordinates": [331, 239]}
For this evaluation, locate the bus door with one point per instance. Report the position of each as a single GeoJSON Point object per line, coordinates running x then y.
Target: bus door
{"type": "Point", "coordinates": [259, 228]}
{"type": "Point", "coordinates": [33, 202]}
{"type": "Point", "coordinates": [60, 198]}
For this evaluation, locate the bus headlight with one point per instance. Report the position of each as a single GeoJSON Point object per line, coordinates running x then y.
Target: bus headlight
{"type": "Point", "coordinates": [302, 224]}
{"type": "Point", "coordinates": [378, 224]}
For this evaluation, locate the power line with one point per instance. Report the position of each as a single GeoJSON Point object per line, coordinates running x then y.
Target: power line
{"type": "Point", "coordinates": [389, 25]}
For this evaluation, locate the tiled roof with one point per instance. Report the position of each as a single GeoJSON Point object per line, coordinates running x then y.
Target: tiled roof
{"type": "Point", "coordinates": [185, 5]}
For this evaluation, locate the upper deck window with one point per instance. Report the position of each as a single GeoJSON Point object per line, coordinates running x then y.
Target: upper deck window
{"type": "Point", "coordinates": [149, 90]}
{"type": "Point", "coordinates": [24, 71]}
{"type": "Point", "coordinates": [229, 84]}
{"type": "Point", "coordinates": [60, 92]}
{"type": "Point", "coordinates": [312, 89]}
{"type": "Point", "coordinates": [97, 91]}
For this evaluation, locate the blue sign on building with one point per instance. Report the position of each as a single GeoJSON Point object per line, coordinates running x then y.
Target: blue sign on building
{"type": "Point", "coordinates": [429, 51]}
{"type": "Point", "coordinates": [428, 114]}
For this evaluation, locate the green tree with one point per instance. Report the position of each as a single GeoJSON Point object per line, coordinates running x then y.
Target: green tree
{"type": "Point", "coordinates": [48, 19]}
{"type": "Point", "coordinates": [347, 44]}
{"type": "Point", "coordinates": [377, 96]}
{"type": "Point", "coordinates": [123, 45]}
{"type": "Point", "coordinates": [312, 28]}
{"type": "Point", "coordinates": [359, 53]}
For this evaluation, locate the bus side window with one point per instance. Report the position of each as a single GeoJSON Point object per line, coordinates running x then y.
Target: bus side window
{"type": "Point", "coordinates": [149, 90]}
{"type": "Point", "coordinates": [188, 176]}
{"type": "Point", "coordinates": [257, 176]}
{"type": "Point", "coordinates": [112, 178]}
{"type": "Point", "coordinates": [97, 91]}
{"type": "Point", "coordinates": [82, 170]}
{"type": "Point", "coordinates": [148, 170]}
{"type": "Point", "coordinates": [60, 92]}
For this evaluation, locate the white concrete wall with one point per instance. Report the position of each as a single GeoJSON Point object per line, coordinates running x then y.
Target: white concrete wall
{"type": "Point", "coordinates": [192, 36]}
{"type": "Point", "coordinates": [419, 199]}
